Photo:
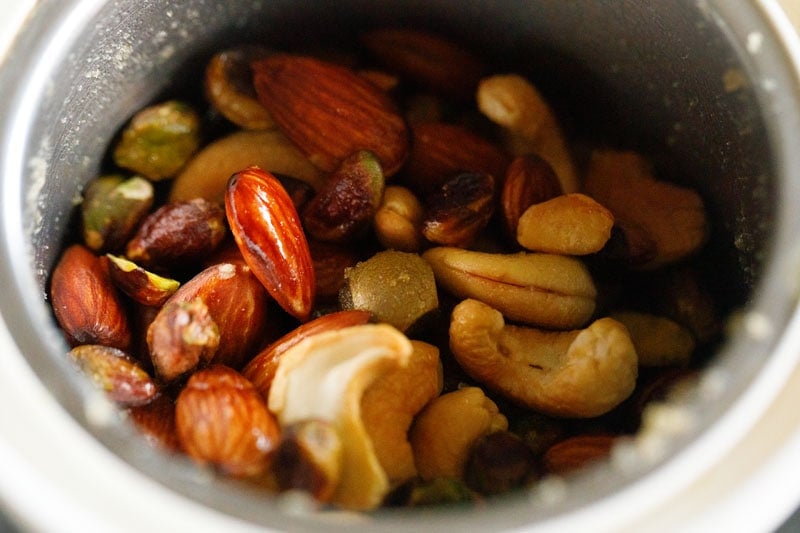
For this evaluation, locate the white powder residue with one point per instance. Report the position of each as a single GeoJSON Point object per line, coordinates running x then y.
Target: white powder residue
{"type": "Point", "coordinates": [754, 42]}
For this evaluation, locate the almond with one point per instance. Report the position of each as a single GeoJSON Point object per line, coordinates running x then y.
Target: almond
{"type": "Point", "coordinates": [222, 420]}
{"type": "Point", "coordinates": [575, 453]}
{"type": "Point", "coordinates": [330, 111]}
{"type": "Point", "coordinates": [86, 303]}
{"type": "Point", "coordinates": [156, 420]}
{"type": "Point", "coordinates": [529, 180]}
{"type": "Point", "coordinates": [267, 229]}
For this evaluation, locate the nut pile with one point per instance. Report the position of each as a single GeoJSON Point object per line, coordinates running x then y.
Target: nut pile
{"type": "Point", "coordinates": [382, 278]}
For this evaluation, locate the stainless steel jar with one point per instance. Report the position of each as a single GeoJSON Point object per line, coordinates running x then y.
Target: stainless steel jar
{"type": "Point", "coordinates": [707, 86]}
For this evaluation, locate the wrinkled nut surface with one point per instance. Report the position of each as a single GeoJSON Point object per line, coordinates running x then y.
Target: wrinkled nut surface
{"type": "Point", "coordinates": [538, 289]}
{"type": "Point", "coordinates": [529, 180]}
{"type": "Point", "coordinates": [575, 453]}
{"type": "Point", "coordinates": [177, 234]}
{"type": "Point", "coordinates": [114, 372]}
{"type": "Point", "coordinates": [390, 404]}
{"type": "Point", "coordinates": [86, 303]}
{"type": "Point", "coordinates": [672, 218]}
{"type": "Point", "coordinates": [324, 377]}
{"type": "Point", "coordinates": [111, 210]}
{"type": "Point", "coordinates": [330, 262]}
{"type": "Point", "coordinates": [229, 87]}
{"type": "Point", "coordinates": [576, 374]}
{"type": "Point", "coordinates": [221, 420]}
{"type": "Point", "coordinates": [514, 103]}
{"type": "Point", "coordinates": [141, 285]}
{"type": "Point", "coordinates": [156, 421]}
{"type": "Point", "coordinates": [398, 220]}
{"type": "Point", "coordinates": [459, 210]}
{"type": "Point", "coordinates": [268, 231]}
{"type": "Point", "coordinates": [659, 341]}
{"type": "Point", "coordinates": [570, 224]}
{"type": "Point", "coordinates": [445, 431]}
{"type": "Point", "coordinates": [329, 111]}
{"type": "Point", "coordinates": [207, 173]}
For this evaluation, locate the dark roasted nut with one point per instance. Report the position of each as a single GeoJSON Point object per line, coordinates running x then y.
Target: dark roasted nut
{"type": "Point", "coordinates": [346, 204]}
{"type": "Point", "coordinates": [575, 453]}
{"type": "Point", "coordinates": [114, 372]}
{"type": "Point", "coordinates": [439, 151]}
{"type": "Point", "coordinates": [330, 111]}
{"type": "Point", "coordinates": [330, 261]}
{"type": "Point", "coordinates": [159, 140]}
{"type": "Point", "coordinates": [143, 286]}
{"type": "Point", "coordinates": [460, 209]}
{"type": "Point", "coordinates": [398, 221]}
{"type": "Point", "coordinates": [182, 336]}
{"type": "Point", "coordinates": [499, 462]}
{"type": "Point", "coordinates": [229, 87]}
{"type": "Point", "coordinates": [156, 420]}
{"type": "Point", "coordinates": [177, 234]}
{"type": "Point", "coordinates": [309, 458]}
{"type": "Point", "coordinates": [269, 234]}
{"type": "Point", "coordinates": [85, 301]}
{"type": "Point", "coordinates": [529, 180]}
{"type": "Point", "coordinates": [222, 420]}
{"type": "Point", "coordinates": [396, 287]}
{"type": "Point", "coordinates": [236, 302]}
{"type": "Point", "coordinates": [537, 431]}
{"type": "Point", "coordinates": [427, 59]}
{"type": "Point", "coordinates": [112, 209]}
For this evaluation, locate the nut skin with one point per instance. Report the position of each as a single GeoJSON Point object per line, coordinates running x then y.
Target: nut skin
{"type": "Point", "coordinates": [529, 180]}
{"type": "Point", "coordinates": [222, 420]}
{"type": "Point", "coordinates": [268, 232]}
{"type": "Point", "coordinates": [440, 150]}
{"type": "Point", "coordinates": [237, 304]}
{"type": "Point", "coordinates": [577, 452]}
{"type": "Point", "coordinates": [114, 372]}
{"type": "Point", "coordinates": [86, 303]}
{"type": "Point", "coordinates": [459, 210]}
{"type": "Point", "coordinates": [156, 421]}
{"type": "Point", "coordinates": [177, 235]}
{"type": "Point", "coordinates": [330, 262]}
{"type": "Point", "coordinates": [398, 221]}
{"type": "Point", "coordinates": [112, 208]}
{"type": "Point", "coordinates": [141, 285]}
{"type": "Point", "coordinates": [347, 203]}
{"type": "Point", "coordinates": [329, 111]}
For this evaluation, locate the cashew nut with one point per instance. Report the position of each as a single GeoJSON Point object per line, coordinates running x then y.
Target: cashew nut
{"type": "Point", "coordinates": [324, 377]}
{"type": "Point", "coordinates": [659, 341]}
{"type": "Point", "coordinates": [579, 373]}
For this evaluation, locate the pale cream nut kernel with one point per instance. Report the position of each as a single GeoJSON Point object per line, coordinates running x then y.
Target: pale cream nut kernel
{"type": "Point", "coordinates": [398, 221]}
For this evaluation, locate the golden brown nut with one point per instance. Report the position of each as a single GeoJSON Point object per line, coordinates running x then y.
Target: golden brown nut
{"type": "Point", "coordinates": [390, 404]}
{"type": "Point", "coordinates": [575, 453]}
{"type": "Point", "coordinates": [444, 432]}
{"type": "Point", "coordinates": [398, 221]}
{"type": "Point", "coordinates": [538, 289]}
{"type": "Point", "coordinates": [583, 373]}
{"type": "Point", "coordinates": [229, 87]}
{"type": "Point", "coordinates": [659, 341]}
{"type": "Point", "coordinates": [570, 224]}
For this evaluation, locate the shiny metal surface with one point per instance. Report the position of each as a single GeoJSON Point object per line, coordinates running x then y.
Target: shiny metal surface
{"type": "Point", "coordinates": [639, 74]}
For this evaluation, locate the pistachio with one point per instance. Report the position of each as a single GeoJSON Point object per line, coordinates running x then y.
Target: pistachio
{"type": "Point", "coordinates": [229, 87]}
{"type": "Point", "coordinates": [460, 209]}
{"type": "Point", "coordinates": [529, 180]}
{"type": "Point", "coordinates": [112, 209]}
{"type": "Point", "coordinates": [547, 290]}
{"type": "Point", "coordinates": [569, 224]}
{"type": "Point", "coordinates": [438, 491]}
{"type": "Point", "coordinates": [159, 140]}
{"type": "Point", "coordinates": [143, 286]}
{"type": "Point", "coordinates": [398, 288]}
{"type": "Point", "coordinates": [115, 373]}
{"type": "Point", "coordinates": [398, 220]}
{"type": "Point", "coordinates": [177, 235]}
{"type": "Point", "coordinates": [346, 204]}
{"type": "Point", "coordinates": [580, 373]}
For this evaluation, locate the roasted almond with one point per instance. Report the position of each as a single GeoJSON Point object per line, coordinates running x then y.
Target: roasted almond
{"type": "Point", "coordinates": [459, 209]}
{"type": "Point", "coordinates": [330, 262]}
{"type": "Point", "coordinates": [330, 111]}
{"type": "Point", "coordinates": [156, 420]}
{"type": "Point", "coordinates": [86, 303]}
{"type": "Point", "coordinates": [529, 180]}
{"type": "Point", "coordinates": [267, 229]}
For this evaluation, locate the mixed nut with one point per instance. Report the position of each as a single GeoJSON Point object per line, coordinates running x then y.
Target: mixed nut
{"type": "Point", "coordinates": [382, 279]}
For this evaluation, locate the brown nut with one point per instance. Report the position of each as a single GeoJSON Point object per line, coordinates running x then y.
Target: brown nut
{"type": "Point", "coordinates": [441, 150]}
{"type": "Point", "coordinates": [498, 463]}
{"type": "Point", "coordinates": [112, 208]}
{"type": "Point", "coordinates": [330, 262]}
{"type": "Point", "coordinates": [114, 372]}
{"type": "Point", "coordinates": [329, 111]}
{"type": "Point", "coordinates": [459, 210]}
{"type": "Point", "coordinates": [182, 336]}
{"type": "Point", "coordinates": [85, 301]}
{"type": "Point", "coordinates": [141, 285]}
{"type": "Point", "coordinates": [267, 229]}
{"type": "Point", "coordinates": [177, 234]}
{"type": "Point", "coordinates": [398, 221]}
{"type": "Point", "coordinates": [237, 304]}
{"type": "Point", "coordinates": [569, 224]}
{"type": "Point", "coordinates": [582, 373]}
{"type": "Point", "coordinates": [547, 290]}
{"type": "Point", "coordinates": [156, 421]}
{"type": "Point", "coordinates": [673, 218]}
{"type": "Point", "coordinates": [529, 180]}
{"type": "Point", "coordinates": [575, 453]}
{"type": "Point", "coordinates": [222, 420]}
{"type": "Point", "coordinates": [229, 87]}
{"type": "Point", "coordinates": [344, 207]}
{"type": "Point", "coordinates": [658, 340]}
{"type": "Point", "coordinates": [445, 431]}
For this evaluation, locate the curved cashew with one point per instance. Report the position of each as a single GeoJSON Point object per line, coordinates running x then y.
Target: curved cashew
{"type": "Point", "coordinates": [324, 377]}
{"type": "Point", "coordinates": [579, 373]}
{"type": "Point", "coordinates": [389, 406]}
